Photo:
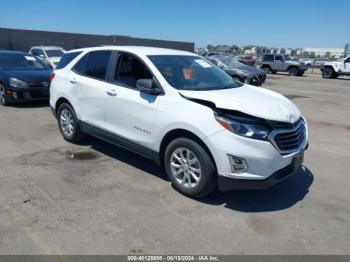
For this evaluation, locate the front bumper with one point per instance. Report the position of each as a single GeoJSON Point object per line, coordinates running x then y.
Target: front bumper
{"type": "Point", "coordinates": [256, 80]}
{"type": "Point", "coordinates": [266, 166]}
{"type": "Point", "coordinates": [227, 184]}
{"type": "Point", "coordinates": [28, 94]}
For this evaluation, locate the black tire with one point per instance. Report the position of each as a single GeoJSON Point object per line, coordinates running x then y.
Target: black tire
{"type": "Point", "coordinates": [3, 99]}
{"type": "Point", "coordinates": [328, 73]}
{"type": "Point", "coordinates": [206, 182]}
{"type": "Point", "coordinates": [267, 69]}
{"type": "Point", "coordinates": [66, 111]}
{"type": "Point", "coordinates": [293, 71]}
{"type": "Point", "coordinates": [300, 73]}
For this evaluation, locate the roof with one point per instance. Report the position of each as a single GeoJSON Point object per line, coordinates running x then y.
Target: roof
{"type": "Point", "coordinates": [139, 50]}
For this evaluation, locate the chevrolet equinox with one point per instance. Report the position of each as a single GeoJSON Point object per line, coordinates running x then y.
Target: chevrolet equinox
{"type": "Point", "coordinates": [180, 110]}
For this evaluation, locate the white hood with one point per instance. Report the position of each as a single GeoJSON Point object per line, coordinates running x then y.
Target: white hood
{"type": "Point", "coordinates": [250, 100]}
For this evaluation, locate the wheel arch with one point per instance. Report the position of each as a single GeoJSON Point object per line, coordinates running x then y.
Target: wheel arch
{"type": "Point", "coordinates": [178, 133]}
{"type": "Point", "coordinates": [60, 101]}
{"type": "Point", "coordinates": [293, 66]}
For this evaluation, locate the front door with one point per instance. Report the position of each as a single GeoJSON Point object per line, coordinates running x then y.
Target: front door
{"type": "Point", "coordinates": [131, 114]}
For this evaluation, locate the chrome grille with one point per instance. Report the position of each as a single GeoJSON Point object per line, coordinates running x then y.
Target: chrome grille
{"type": "Point", "coordinates": [288, 137]}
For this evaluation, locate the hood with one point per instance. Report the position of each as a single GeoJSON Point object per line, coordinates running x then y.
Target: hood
{"type": "Point", "coordinates": [245, 69]}
{"type": "Point", "coordinates": [335, 63]}
{"type": "Point", "coordinates": [250, 100]}
{"type": "Point", "coordinates": [28, 75]}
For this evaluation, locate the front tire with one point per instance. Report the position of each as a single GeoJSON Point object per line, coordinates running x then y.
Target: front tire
{"type": "Point", "coordinates": [190, 168]}
{"type": "Point", "coordinates": [68, 123]}
{"type": "Point", "coordinates": [3, 99]}
{"type": "Point", "coordinates": [293, 71]}
{"type": "Point", "coordinates": [328, 73]}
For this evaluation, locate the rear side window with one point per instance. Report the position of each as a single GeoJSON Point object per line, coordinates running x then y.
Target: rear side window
{"type": "Point", "coordinates": [94, 64]}
{"type": "Point", "coordinates": [268, 58]}
{"type": "Point", "coordinates": [66, 59]}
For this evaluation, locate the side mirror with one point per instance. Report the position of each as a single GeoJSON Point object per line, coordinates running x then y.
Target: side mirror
{"type": "Point", "coordinates": [148, 86]}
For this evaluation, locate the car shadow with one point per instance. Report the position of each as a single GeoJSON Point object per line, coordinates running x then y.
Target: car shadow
{"type": "Point", "coordinates": [31, 104]}
{"type": "Point", "coordinates": [125, 156]}
{"type": "Point", "coordinates": [279, 197]}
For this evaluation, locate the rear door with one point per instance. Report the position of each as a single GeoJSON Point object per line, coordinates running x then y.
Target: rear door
{"type": "Point", "coordinates": [87, 85]}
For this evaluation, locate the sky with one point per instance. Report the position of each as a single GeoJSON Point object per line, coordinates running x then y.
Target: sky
{"type": "Point", "coordinates": [272, 23]}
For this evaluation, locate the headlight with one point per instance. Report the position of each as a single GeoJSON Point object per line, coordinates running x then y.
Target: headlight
{"type": "Point", "coordinates": [17, 83]}
{"type": "Point", "coordinates": [244, 127]}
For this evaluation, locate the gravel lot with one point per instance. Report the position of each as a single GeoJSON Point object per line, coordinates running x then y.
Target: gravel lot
{"type": "Point", "coordinates": [121, 203]}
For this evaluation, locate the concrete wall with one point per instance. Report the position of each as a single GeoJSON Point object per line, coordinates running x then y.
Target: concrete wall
{"type": "Point", "coordinates": [22, 40]}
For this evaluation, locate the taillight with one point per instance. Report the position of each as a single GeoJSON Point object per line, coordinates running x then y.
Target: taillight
{"type": "Point", "coordinates": [52, 76]}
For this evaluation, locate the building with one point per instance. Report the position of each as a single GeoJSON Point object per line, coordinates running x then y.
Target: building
{"type": "Point", "coordinates": [23, 40]}
{"type": "Point", "coordinates": [324, 52]}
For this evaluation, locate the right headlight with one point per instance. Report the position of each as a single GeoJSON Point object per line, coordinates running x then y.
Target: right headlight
{"type": "Point", "coordinates": [17, 83]}
{"type": "Point", "coordinates": [244, 126]}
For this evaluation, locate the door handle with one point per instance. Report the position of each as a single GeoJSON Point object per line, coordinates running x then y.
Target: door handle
{"type": "Point", "coordinates": [73, 81]}
{"type": "Point", "coordinates": [112, 92]}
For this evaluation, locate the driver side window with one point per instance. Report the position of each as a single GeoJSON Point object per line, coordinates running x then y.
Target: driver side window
{"type": "Point", "coordinates": [347, 60]}
{"type": "Point", "coordinates": [129, 69]}
{"type": "Point", "coordinates": [279, 58]}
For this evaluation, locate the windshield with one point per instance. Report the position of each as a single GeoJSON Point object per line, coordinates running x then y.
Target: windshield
{"type": "Point", "coordinates": [54, 53]}
{"type": "Point", "coordinates": [20, 62]}
{"type": "Point", "coordinates": [192, 73]}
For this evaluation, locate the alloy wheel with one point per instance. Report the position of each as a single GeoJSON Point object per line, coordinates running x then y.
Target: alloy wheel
{"type": "Point", "coordinates": [185, 167]}
{"type": "Point", "coordinates": [67, 122]}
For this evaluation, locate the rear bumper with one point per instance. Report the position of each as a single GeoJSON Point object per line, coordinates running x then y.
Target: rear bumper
{"type": "Point", "coordinates": [227, 184]}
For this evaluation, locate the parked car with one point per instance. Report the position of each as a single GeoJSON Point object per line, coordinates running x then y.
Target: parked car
{"type": "Point", "coordinates": [335, 69]}
{"type": "Point", "coordinates": [238, 71]}
{"type": "Point", "coordinates": [308, 62]}
{"type": "Point", "coordinates": [50, 55]}
{"type": "Point", "coordinates": [22, 77]}
{"type": "Point", "coordinates": [181, 111]}
{"type": "Point", "coordinates": [273, 63]}
{"type": "Point", "coordinates": [207, 54]}
{"type": "Point", "coordinates": [247, 60]}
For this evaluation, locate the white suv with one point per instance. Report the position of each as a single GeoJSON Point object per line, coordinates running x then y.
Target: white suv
{"type": "Point", "coordinates": [182, 111]}
{"type": "Point", "coordinates": [49, 55]}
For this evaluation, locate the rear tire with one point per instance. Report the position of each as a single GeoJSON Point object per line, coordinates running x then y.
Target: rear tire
{"type": "Point", "coordinates": [267, 69]}
{"type": "Point", "coordinates": [328, 73]}
{"type": "Point", "coordinates": [3, 99]}
{"type": "Point", "coordinates": [293, 71]}
{"type": "Point", "coordinates": [190, 168]}
{"type": "Point", "coordinates": [68, 123]}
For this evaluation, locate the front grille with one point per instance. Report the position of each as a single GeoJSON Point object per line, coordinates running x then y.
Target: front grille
{"type": "Point", "coordinates": [36, 84]}
{"type": "Point", "coordinates": [288, 137]}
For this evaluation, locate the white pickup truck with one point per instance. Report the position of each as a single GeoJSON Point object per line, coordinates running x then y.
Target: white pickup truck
{"type": "Point", "coordinates": [335, 69]}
